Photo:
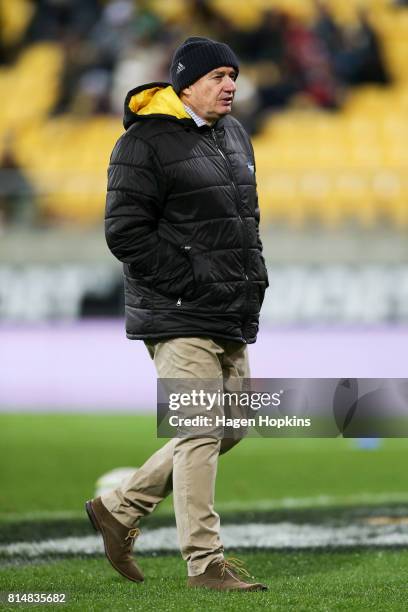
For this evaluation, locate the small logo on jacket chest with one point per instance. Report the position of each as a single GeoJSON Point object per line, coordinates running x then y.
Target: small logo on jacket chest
{"type": "Point", "coordinates": [251, 167]}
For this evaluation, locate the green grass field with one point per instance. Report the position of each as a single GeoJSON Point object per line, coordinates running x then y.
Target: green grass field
{"type": "Point", "coordinates": [297, 581]}
{"type": "Point", "coordinates": [49, 466]}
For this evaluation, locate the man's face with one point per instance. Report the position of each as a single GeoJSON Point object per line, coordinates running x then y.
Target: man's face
{"type": "Point", "coordinates": [211, 96]}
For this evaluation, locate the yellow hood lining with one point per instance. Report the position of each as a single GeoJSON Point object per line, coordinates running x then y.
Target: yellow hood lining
{"type": "Point", "coordinates": [158, 101]}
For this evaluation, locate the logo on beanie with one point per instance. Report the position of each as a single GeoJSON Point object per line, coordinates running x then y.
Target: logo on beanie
{"type": "Point", "coordinates": [180, 68]}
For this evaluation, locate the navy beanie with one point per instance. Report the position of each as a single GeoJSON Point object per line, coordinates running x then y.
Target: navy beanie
{"type": "Point", "coordinates": [197, 56]}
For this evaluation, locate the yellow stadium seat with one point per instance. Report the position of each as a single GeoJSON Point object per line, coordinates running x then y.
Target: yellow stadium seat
{"type": "Point", "coordinates": [332, 168]}
{"type": "Point", "coordinates": [15, 17]}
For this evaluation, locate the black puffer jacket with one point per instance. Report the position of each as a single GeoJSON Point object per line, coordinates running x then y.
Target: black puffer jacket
{"type": "Point", "coordinates": [182, 215]}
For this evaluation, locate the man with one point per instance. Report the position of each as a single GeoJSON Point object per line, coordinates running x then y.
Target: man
{"type": "Point", "coordinates": [182, 215]}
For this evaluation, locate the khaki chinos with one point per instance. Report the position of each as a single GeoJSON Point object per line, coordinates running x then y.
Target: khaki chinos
{"type": "Point", "coordinates": [186, 466]}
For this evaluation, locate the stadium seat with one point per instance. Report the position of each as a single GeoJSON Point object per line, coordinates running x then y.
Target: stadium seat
{"type": "Point", "coordinates": [312, 166]}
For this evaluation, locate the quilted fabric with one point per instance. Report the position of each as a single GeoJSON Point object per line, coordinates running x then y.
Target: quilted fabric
{"type": "Point", "coordinates": [182, 215]}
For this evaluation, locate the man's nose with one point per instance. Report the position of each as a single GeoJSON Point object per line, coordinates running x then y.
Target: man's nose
{"type": "Point", "coordinates": [230, 85]}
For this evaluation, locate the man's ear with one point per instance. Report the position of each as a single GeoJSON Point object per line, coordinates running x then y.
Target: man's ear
{"type": "Point", "coordinates": [186, 92]}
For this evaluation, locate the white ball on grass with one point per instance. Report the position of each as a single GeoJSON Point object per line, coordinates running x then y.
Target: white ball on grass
{"type": "Point", "coordinates": [112, 479]}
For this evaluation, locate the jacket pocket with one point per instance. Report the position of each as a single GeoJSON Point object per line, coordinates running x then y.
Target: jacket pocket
{"type": "Point", "coordinates": [175, 274]}
{"type": "Point", "coordinates": [201, 265]}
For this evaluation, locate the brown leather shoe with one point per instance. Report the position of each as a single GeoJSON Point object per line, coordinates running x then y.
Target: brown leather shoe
{"type": "Point", "coordinates": [222, 575]}
{"type": "Point", "coordinates": [118, 540]}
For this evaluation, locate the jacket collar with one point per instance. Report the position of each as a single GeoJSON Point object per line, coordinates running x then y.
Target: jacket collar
{"type": "Point", "coordinates": [159, 100]}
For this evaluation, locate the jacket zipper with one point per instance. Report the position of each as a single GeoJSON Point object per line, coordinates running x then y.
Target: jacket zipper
{"type": "Point", "coordinates": [237, 199]}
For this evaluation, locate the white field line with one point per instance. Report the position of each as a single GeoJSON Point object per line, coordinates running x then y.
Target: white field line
{"type": "Point", "coordinates": [318, 501]}
{"type": "Point", "coordinates": [262, 536]}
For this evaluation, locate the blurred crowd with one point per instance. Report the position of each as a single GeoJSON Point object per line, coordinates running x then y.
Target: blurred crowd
{"type": "Point", "coordinates": [110, 46]}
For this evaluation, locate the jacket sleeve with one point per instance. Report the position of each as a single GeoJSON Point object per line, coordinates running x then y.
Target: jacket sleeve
{"type": "Point", "coordinates": [134, 202]}
{"type": "Point", "coordinates": [257, 211]}
{"type": "Point", "coordinates": [257, 215]}
{"type": "Point", "coordinates": [251, 153]}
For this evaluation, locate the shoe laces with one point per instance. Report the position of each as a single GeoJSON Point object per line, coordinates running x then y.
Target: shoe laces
{"type": "Point", "coordinates": [132, 534]}
{"type": "Point", "coordinates": [233, 564]}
